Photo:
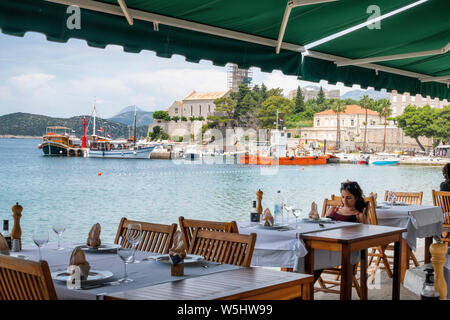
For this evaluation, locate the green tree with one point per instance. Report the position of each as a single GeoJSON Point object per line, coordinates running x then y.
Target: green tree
{"type": "Point", "coordinates": [225, 107]}
{"type": "Point", "coordinates": [417, 122]}
{"type": "Point", "coordinates": [175, 118]}
{"type": "Point", "coordinates": [268, 111]}
{"type": "Point", "coordinates": [441, 125]}
{"type": "Point", "coordinates": [320, 97]}
{"type": "Point", "coordinates": [338, 107]}
{"type": "Point", "coordinates": [162, 115]}
{"type": "Point", "coordinates": [156, 132]}
{"type": "Point", "coordinates": [192, 119]}
{"type": "Point", "coordinates": [299, 101]}
{"type": "Point", "coordinates": [367, 104]}
{"type": "Point", "coordinates": [183, 118]}
{"type": "Point", "coordinates": [385, 112]}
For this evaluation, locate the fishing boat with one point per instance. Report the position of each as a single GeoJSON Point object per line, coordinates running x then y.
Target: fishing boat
{"type": "Point", "coordinates": [59, 141]}
{"type": "Point", "coordinates": [104, 147]}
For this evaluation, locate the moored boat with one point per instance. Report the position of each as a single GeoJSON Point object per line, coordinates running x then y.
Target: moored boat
{"type": "Point", "coordinates": [265, 160]}
{"type": "Point", "coordinates": [384, 162]}
{"type": "Point", "coordinates": [59, 141]}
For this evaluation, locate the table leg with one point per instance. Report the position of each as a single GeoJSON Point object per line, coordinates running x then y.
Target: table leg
{"type": "Point", "coordinates": [404, 259]}
{"type": "Point", "coordinates": [427, 254]}
{"type": "Point", "coordinates": [363, 274]}
{"type": "Point", "coordinates": [346, 274]}
{"type": "Point", "coordinates": [398, 251]}
{"type": "Point", "coordinates": [309, 266]}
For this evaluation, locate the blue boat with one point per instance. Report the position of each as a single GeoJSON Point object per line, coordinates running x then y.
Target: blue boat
{"type": "Point", "coordinates": [384, 162]}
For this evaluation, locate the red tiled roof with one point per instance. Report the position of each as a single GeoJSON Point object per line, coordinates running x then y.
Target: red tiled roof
{"type": "Point", "coordinates": [350, 109]}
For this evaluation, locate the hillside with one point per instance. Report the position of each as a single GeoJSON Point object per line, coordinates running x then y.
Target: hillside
{"type": "Point", "coordinates": [358, 94]}
{"type": "Point", "coordinates": [126, 116]}
{"type": "Point", "coordinates": [27, 124]}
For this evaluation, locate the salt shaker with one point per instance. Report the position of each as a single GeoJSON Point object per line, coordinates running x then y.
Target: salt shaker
{"type": "Point", "coordinates": [15, 246]}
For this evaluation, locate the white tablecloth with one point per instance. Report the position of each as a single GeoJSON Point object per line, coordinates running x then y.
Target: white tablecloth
{"type": "Point", "coordinates": [420, 221]}
{"type": "Point", "coordinates": [275, 248]}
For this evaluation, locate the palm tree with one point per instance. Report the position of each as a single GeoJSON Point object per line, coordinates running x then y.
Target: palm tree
{"type": "Point", "coordinates": [338, 107]}
{"type": "Point", "coordinates": [385, 112]}
{"type": "Point", "coordinates": [367, 104]}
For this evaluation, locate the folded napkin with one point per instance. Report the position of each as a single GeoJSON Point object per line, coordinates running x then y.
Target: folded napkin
{"type": "Point", "coordinates": [314, 214]}
{"type": "Point", "coordinates": [268, 218]}
{"type": "Point", "coordinates": [4, 249]}
{"type": "Point", "coordinates": [93, 239]}
{"type": "Point", "coordinates": [178, 251]}
{"type": "Point", "coordinates": [78, 259]}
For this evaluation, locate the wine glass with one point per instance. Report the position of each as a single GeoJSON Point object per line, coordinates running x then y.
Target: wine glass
{"type": "Point", "coordinates": [59, 226]}
{"type": "Point", "coordinates": [127, 255]}
{"type": "Point", "coordinates": [297, 212]}
{"type": "Point", "coordinates": [133, 235]}
{"type": "Point", "coordinates": [40, 238]}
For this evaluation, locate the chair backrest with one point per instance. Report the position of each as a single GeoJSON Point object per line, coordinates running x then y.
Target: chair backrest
{"type": "Point", "coordinates": [441, 199]}
{"type": "Point", "coordinates": [371, 211]}
{"type": "Point", "coordinates": [406, 197]}
{"type": "Point", "coordinates": [188, 227]}
{"type": "Point", "coordinates": [330, 204]}
{"type": "Point", "coordinates": [25, 280]}
{"type": "Point", "coordinates": [155, 237]}
{"type": "Point", "coordinates": [223, 247]}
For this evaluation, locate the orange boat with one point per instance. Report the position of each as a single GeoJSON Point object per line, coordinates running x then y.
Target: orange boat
{"type": "Point", "coordinates": [268, 161]}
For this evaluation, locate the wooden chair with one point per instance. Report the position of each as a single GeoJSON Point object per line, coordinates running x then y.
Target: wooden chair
{"type": "Point", "coordinates": [406, 197]}
{"type": "Point", "coordinates": [188, 227]}
{"type": "Point", "coordinates": [441, 199]}
{"type": "Point", "coordinates": [156, 238]}
{"type": "Point", "coordinates": [329, 285]}
{"type": "Point", "coordinates": [223, 247]}
{"type": "Point", "coordinates": [25, 280]}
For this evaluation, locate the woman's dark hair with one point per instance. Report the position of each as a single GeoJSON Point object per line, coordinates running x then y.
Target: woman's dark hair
{"type": "Point", "coordinates": [446, 173]}
{"type": "Point", "coordinates": [354, 188]}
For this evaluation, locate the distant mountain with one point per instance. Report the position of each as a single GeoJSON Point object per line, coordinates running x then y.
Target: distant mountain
{"type": "Point", "coordinates": [358, 94]}
{"type": "Point", "coordinates": [27, 124]}
{"type": "Point", "coordinates": [126, 116]}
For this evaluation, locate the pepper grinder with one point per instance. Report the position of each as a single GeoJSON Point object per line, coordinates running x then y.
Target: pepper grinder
{"type": "Point", "coordinates": [16, 232]}
{"type": "Point", "coordinates": [259, 209]}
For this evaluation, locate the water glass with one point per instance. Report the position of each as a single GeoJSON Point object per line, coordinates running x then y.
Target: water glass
{"type": "Point", "coordinates": [134, 235]}
{"type": "Point", "coordinates": [40, 238]}
{"type": "Point", "coordinates": [59, 226]}
{"type": "Point", "coordinates": [127, 255]}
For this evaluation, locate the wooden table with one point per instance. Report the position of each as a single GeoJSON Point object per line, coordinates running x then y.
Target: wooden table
{"type": "Point", "coordinates": [239, 284]}
{"type": "Point", "coordinates": [345, 240]}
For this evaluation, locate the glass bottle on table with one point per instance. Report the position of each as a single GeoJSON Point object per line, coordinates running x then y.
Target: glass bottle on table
{"type": "Point", "coordinates": [278, 208]}
{"type": "Point", "coordinates": [5, 233]}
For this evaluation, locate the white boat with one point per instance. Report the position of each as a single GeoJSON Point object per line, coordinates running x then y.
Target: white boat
{"type": "Point", "coordinates": [101, 147]}
{"type": "Point", "coordinates": [138, 153]}
{"type": "Point", "coordinates": [191, 153]}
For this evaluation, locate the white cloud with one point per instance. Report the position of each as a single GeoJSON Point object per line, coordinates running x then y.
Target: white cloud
{"type": "Point", "coordinates": [31, 81]}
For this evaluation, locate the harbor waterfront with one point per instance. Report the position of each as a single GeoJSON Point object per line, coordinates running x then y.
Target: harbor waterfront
{"type": "Point", "coordinates": [85, 190]}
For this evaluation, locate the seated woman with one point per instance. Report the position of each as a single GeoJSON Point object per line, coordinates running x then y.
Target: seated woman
{"type": "Point", "coordinates": [353, 204]}
{"type": "Point", "coordinates": [445, 185]}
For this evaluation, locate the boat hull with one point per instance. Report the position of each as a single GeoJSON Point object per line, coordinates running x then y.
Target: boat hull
{"type": "Point", "coordinates": [260, 160]}
{"type": "Point", "coordinates": [54, 149]}
{"type": "Point", "coordinates": [385, 163]}
{"type": "Point", "coordinates": [143, 153]}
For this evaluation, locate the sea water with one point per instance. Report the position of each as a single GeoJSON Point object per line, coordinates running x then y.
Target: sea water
{"type": "Point", "coordinates": [160, 191]}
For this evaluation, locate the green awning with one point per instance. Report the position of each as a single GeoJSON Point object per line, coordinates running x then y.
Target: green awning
{"type": "Point", "coordinates": [246, 33]}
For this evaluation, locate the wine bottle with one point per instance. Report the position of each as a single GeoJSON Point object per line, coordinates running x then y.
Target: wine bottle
{"type": "Point", "coordinates": [5, 232]}
{"type": "Point", "coordinates": [254, 216]}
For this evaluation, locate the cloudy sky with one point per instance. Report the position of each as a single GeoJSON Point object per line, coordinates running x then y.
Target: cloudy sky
{"type": "Point", "coordinates": [63, 79]}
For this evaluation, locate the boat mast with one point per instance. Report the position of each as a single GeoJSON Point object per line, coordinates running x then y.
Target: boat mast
{"type": "Point", "coordinates": [93, 129]}
{"type": "Point", "coordinates": [134, 125]}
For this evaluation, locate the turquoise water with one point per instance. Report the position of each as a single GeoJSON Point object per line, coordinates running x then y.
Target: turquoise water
{"type": "Point", "coordinates": [160, 190]}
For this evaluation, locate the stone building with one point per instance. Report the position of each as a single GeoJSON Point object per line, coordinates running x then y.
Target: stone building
{"type": "Point", "coordinates": [352, 131]}
{"type": "Point", "coordinates": [400, 101]}
{"type": "Point", "coordinates": [196, 104]}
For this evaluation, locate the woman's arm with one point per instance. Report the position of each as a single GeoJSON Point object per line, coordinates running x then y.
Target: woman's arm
{"type": "Point", "coordinates": [361, 217]}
